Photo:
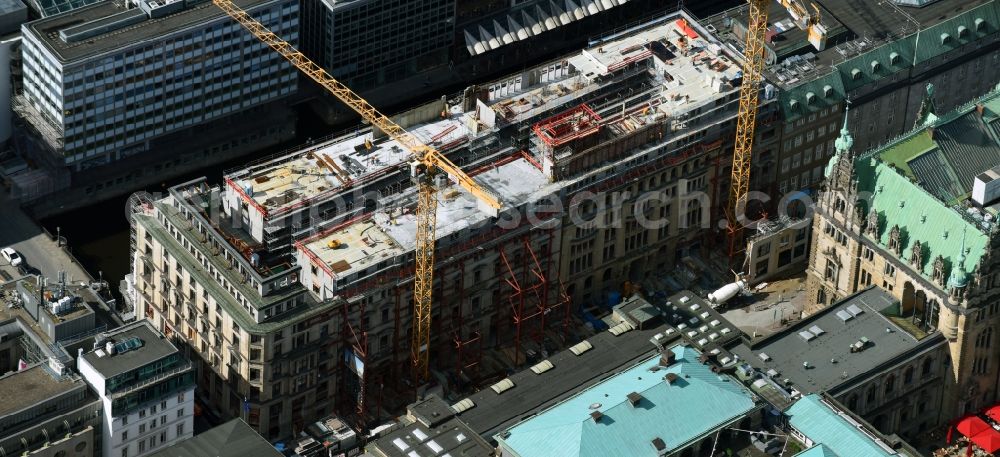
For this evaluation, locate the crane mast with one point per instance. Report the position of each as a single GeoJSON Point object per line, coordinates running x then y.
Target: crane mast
{"type": "Point", "coordinates": [746, 120]}
{"type": "Point", "coordinates": [431, 159]}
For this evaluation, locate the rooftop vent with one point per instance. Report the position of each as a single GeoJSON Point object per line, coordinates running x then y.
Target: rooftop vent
{"type": "Point", "coordinates": [542, 367]}
{"type": "Point", "coordinates": [634, 398]}
{"type": "Point", "coordinates": [980, 24]}
{"type": "Point", "coordinates": [962, 31]}
{"type": "Point", "coordinates": [670, 378]}
{"type": "Point", "coordinates": [844, 315]}
{"type": "Point", "coordinates": [810, 98]}
{"type": "Point", "coordinates": [502, 386]}
{"type": "Point", "coordinates": [855, 310]}
{"type": "Point", "coordinates": [855, 74]}
{"type": "Point", "coordinates": [764, 357]}
{"type": "Point", "coordinates": [659, 445]}
{"type": "Point", "coordinates": [827, 91]}
{"type": "Point", "coordinates": [893, 58]}
{"type": "Point", "coordinates": [815, 330]}
{"type": "Point", "coordinates": [581, 347]}
{"type": "Point", "coordinates": [945, 38]}
{"type": "Point", "coordinates": [876, 66]}
{"type": "Point", "coordinates": [596, 416]}
{"type": "Point", "coordinates": [807, 335]}
{"type": "Point", "coordinates": [463, 405]}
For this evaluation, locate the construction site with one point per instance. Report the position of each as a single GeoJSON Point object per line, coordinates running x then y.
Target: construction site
{"type": "Point", "coordinates": [331, 249]}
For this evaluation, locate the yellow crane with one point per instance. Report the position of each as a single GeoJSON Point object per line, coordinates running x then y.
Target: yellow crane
{"type": "Point", "coordinates": [431, 159]}
{"type": "Point", "coordinates": [746, 118]}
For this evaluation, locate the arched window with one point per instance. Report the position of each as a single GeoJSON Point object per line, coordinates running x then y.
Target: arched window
{"type": "Point", "coordinates": [852, 402]}
{"type": "Point", "coordinates": [908, 375]}
{"type": "Point", "coordinates": [926, 370]}
{"type": "Point", "coordinates": [890, 384]}
{"type": "Point", "coordinates": [872, 392]}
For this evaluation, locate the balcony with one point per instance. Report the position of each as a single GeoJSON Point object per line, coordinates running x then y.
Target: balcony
{"type": "Point", "coordinates": [185, 366]}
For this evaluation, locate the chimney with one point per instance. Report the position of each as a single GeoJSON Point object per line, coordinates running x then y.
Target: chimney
{"type": "Point", "coordinates": [979, 109]}
{"type": "Point", "coordinates": [596, 416]}
{"type": "Point", "coordinates": [659, 445]}
{"type": "Point", "coordinates": [109, 347]}
{"type": "Point", "coordinates": [670, 378]}
{"type": "Point", "coordinates": [634, 398]}
{"type": "Point", "coordinates": [668, 358]}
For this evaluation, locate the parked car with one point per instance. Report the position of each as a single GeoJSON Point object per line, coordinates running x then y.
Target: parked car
{"type": "Point", "coordinates": [11, 256]}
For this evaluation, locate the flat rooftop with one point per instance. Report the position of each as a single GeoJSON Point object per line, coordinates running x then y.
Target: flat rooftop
{"type": "Point", "coordinates": [570, 374]}
{"type": "Point", "coordinates": [434, 430]}
{"type": "Point", "coordinates": [154, 347]}
{"type": "Point", "coordinates": [321, 172]}
{"type": "Point", "coordinates": [47, 29]}
{"type": "Point", "coordinates": [874, 19]}
{"type": "Point", "coordinates": [695, 319]}
{"type": "Point", "coordinates": [691, 70]}
{"type": "Point", "coordinates": [825, 341]}
{"type": "Point", "coordinates": [389, 232]}
{"type": "Point", "coordinates": [673, 405]}
{"type": "Point", "coordinates": [24, 389]}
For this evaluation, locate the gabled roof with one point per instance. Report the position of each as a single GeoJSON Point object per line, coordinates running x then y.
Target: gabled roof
{"type": "Point", "coordinates": [231, 439]}
{"type": "Point", "coordinates": [818, 450]}
{"type": "Point", "coordinates": [914, 180]}
{"type": "Point", "coordinates": [893, 57]}
{"type": "Point", "coordinates": [824, 426]}
{"type": "Point", "coordinates": [695, 404]}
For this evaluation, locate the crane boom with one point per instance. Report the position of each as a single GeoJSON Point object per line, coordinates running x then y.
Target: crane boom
{"type": "Point", "coordinates": [426, 216]}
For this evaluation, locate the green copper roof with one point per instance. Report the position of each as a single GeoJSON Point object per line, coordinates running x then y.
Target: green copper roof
{"type": "Point", "coordinates": [826, 427]}
{"type": "Point", "coordinates": [899, 154]}
{"type": "Point", "coordinates": [695, 404]}
{"type": "Point", "coordinates": [890, 58]}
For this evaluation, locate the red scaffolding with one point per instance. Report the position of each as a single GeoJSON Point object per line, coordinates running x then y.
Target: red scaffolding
{"type": "Point", "coordinates": [530, 294]}
{"type": "Point", "coordinates": [567, 126]}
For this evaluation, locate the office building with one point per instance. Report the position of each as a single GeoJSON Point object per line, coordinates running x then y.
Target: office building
{"type": "Point", "coordinates": [111, 83]}
{"type": "Point", "coordinates": [292, 280]}
{"type": "Point", "coordinates": [146, 388]}
{"type": "Point", "coordinates": [861, 354]}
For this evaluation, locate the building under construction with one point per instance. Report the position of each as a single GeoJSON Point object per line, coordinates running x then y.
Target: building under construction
{"type": "Point", "coordinates": [292, 280]}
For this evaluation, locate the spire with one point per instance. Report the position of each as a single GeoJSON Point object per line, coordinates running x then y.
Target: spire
{"type": "Point", "coordinates": [844, 141]}
{"type": "Point", "coordinates": [927, 114]}
{"type": "Point", "coordinates": [959, 278]}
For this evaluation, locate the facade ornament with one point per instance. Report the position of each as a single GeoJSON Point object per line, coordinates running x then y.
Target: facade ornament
{"type": "Point", "coordinates": [938, 275]}
{"type": "Point", "coordinates": [871, 226]}
{"type": "Point", "coordinates": [894, 245]}
{"type": "Point", "coordinates": [917, 255]}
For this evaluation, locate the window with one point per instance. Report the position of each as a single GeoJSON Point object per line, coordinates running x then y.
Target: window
{"type": "Point", "coordinates": [163, 420]}
{"type": "Point", "coordinates": [908, 375]}
{"type": "Point", "coordinates": [890, 384]}
{"type": "Point", "coordinates": [163, 437]}
{"type": "Point", "coordinates": [180, 429]}
{"type": "Point", "coordinates": [163, 405]}
{"type": "Point", "coordinates": [152, 409]}
{"type": "Point", "coordinates": [142, 446]}
{"type": "Point", "coordinates": [125, 451]}
{"type": "Point", "coordinates": [180, 397]}
{"type": "Point", "coordinates": [889, 270]}
{"type": "Point", "coordinates": [125, 419]}
{"type": "Point", "coordinates": [926, 370]}
{"type": "Point", "coordinates": [180, 413]}
{"type": "Point", "coordinates": [142, 428]}
{"type": "Point", "coordinates": [125, 435]}
{"type": "Point", "coordinates": [142, 413]}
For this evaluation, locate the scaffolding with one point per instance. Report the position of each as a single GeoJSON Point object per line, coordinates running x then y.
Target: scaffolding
{"type": "Point", "coordinates": [568, 126]}
{"type": "Point", "coordinates": [529, 294]}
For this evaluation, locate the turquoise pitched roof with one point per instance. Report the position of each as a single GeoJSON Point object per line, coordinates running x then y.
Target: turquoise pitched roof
{"type": "Point", "coordinates": [969, 25]}
{"type": "Point", "coordinates": [824, 426]}
{"type": "Point", "coordinates": [818, 450]}
{"type": "Point", "coordinates": [697, 403]}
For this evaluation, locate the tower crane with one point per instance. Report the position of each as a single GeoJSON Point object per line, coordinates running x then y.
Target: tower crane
{"type": "Point", "coordinates": [423, 155]}
{"type": "Point", "coordinates": [746, 118]}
